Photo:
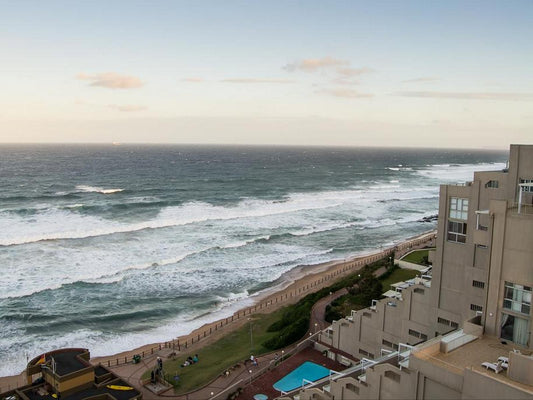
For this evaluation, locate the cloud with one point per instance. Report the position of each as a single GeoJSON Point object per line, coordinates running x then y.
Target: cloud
{"type": "Point", "coordinates": [117, 107]}
{"type": "Point", "coordinates": [315, 64]}
{"type": "Point", "coordinates": [195, 80]}
{"type": "Point", "coordinates": [127, 108]}
{"type": "Point", "coordinates": [348, 72]}
{"type": "Point", "coordinates": [255, 80]}
{"type": "Point", "coordinates": [469, 95]}
{"type": "Point", "coordinates": [346, 93]}
{"type": "Point", "coordinates": [111, 80]}
{"type": "Point", "coordinates": [423, 79]}
{"type": "Point", "coordinates": [344, 82]}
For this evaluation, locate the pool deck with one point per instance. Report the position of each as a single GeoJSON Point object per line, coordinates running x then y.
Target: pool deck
{"type": "Point", "coordinates": [264, 383]}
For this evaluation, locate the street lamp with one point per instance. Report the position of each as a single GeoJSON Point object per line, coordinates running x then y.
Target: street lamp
{"type": "Point", "coordinates": [251, 336]}
{"type": "Point", "coordinates": [282, 353]}
{"type": "Point", "coordinates": [315, 326]}
{"type": "Point", "coordinates": [250, 371]}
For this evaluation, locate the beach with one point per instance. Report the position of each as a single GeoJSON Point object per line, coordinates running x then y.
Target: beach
{"type": "Point", "coordinates": [294, 285]}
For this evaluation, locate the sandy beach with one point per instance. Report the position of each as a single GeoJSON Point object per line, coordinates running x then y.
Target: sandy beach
{"type": "Point", "coordinates": [294, 285]}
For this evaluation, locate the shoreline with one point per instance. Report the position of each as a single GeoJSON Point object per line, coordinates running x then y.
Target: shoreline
{"type": "Point", "coordinates": [292, 286]}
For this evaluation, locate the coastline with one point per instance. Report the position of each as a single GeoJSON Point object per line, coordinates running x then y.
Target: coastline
{"type": "Point", "coordinates": [292, 286]}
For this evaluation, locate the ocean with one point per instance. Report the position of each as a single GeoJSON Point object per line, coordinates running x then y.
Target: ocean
{"type": "Point", "coordinates": [112, 247]}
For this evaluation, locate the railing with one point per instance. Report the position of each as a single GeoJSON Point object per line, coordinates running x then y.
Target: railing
{"type": "Point", "coordinates": [522, 209]}
{"type": "Point", "coordinates": [337, 272]}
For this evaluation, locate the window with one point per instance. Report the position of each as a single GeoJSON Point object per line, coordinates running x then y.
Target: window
{"type": "Point", "coordinates": [366, 353]}
{"type": "Point", "coordinates": [419, 290]}
{"type": "Point", "coordinates": [457, 231]}
{"type": "Point", "coordinates": [526, 188]}
{"type": "Point", "coordinates": [517, 298]}
{"type": "Point", "coordinates": [417, 334]}
{"type": "Point", "coordinates": [478, 284]}
{"type": "Point", "coordinates": [475, 307]}
{"type": "Point", "coordinates": [367, 314]}
{"type": "Point", "coordinates": [458, 208]}
{"type": "Point", "coordinates": [447, 322]}
{"type": "Point", "coordinates": [352, 388]}
{"type": "Point", "coordinates": [389, 344]}
{"type": "Point", "coordinates": [491, 184]}
{"type": "Point", "coordinates": [515, 329]}
{"type": "Point", "coordinates": [392, 375]}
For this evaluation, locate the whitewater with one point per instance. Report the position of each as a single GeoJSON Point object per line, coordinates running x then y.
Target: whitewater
{"type": "Point", "coordinates": [113, 247]}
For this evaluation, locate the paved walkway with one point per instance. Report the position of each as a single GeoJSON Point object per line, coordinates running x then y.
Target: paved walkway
{"type": "Point", "coordinates": [223, 385]}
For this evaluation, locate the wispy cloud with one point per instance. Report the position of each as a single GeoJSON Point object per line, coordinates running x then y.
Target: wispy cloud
{"type": "Point", "coordinates": [347, 93]}
{"type": "Point", "coordinates": [349, 72]}
{"type": "Point", "coordinates": [111, 80]}
{"type": "Point", "coordinates": [469, 95]}
{"type": "Point", "coordinates": [195, 80]}
{"type": "Point", "coordinates": [315, 64]}
{"type": "Point", "coordinates": [117, 107]}
{"type": "Point", "coordinates": [255, 80]}
{"type": "Point", "coordinates": [127, 108]}
{"type": "Point", "coordinates": [344, 81]}
{"type": "Point", "coordinates": [423, 79]}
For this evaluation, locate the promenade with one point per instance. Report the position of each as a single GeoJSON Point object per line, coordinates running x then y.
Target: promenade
{"type": "Point", "coordinates": [323, 275]}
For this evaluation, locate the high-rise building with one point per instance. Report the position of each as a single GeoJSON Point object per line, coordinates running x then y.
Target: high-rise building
{"type": "Point", "coordinates": [462, 330]}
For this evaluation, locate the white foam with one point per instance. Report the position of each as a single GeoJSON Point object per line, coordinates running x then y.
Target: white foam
{"type": "Point", "coordinates": [89, 189]}
{"type": "Point", "coordinates": [56, 224]}
{"type": "Point", "coordinates": [458, 172]}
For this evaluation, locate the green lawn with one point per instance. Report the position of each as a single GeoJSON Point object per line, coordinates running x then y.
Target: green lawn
{"type": "Point", "coordinates": [221, 355]}
{"type": "Point", "coordinates": [236, 346]}
{"type": "Point", "coordinates": [417, 257]}
{"type": "Point", "coordinates": [398, 276]}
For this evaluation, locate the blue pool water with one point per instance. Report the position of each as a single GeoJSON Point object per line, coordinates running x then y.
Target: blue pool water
{"type": "Point", "coordinates": [308, 370]}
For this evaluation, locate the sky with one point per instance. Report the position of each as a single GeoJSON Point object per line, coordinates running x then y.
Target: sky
{"type": "Point", "coordinates": [342, 73]}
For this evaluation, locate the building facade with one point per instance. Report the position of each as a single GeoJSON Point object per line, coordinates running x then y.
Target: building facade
{"type": "Point", "coordinates": [465, 329]}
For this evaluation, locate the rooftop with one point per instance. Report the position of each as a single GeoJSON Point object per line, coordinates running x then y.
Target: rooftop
{"type": "Point", "coordinates": [471, 355]}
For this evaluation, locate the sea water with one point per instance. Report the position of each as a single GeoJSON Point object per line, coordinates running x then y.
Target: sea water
{"type": "Point", "coordinates": [113, 247]}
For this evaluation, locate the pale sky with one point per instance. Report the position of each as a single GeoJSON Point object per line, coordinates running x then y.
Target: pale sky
{"type": "Point", "coordinates": [354, 73]}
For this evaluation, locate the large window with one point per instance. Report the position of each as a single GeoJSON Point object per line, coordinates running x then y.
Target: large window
{"type": "Point", "coordinates": [457, 220]}
{"type": "Point", "coordinates": [517, 298]}
{"type": "Point", "coordinates": [515, 329]}
{"type": "Point", "coordinates": [457, 231]}
{"type": "Point", "coordinates": [459, 208]}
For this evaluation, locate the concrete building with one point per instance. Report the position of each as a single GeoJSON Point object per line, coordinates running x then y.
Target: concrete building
{"type": "Point", "coordinates": [464, 329]}
{"type": "Point", "coordinates": [67, 374]}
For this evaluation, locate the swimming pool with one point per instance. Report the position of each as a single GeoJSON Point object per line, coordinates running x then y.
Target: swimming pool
{"type": "Point", "coordinates": [308, 370]}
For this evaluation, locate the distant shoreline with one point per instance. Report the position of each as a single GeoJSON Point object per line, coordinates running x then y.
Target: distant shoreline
{"type": "Point", "coordinates": [293, 285]}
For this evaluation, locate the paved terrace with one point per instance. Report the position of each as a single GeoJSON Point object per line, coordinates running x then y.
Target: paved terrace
{"type": "Point", "coordinates": [473, 354]}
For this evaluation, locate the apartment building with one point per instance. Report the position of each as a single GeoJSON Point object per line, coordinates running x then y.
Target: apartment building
{"type": "Point", "coordinates": [464, 331]}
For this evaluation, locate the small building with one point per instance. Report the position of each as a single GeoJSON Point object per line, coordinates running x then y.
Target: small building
{"type": "Point", "coordinates": [67, 374]}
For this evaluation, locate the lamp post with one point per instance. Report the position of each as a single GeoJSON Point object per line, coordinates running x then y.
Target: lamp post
{"type": "Point", "coordinates": [315, 326]}
{"type": "Point", "coordinates": [282, 353]}
{"type": "Point", "coordinates": [251, 336]}
{"type": "Point", "coordinates": [250, 371]}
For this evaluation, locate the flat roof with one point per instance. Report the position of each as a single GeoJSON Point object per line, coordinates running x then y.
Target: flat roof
{"type": "Point", "coordinates": [33, 392]}
{"type": "Point", "coordinates": [472, 355]}
{"type": "Point", "coordinates": [67, 361]}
